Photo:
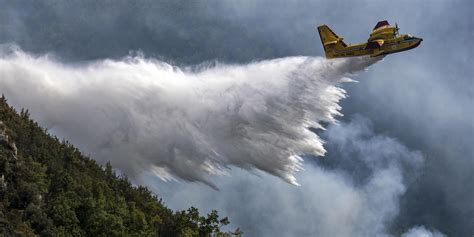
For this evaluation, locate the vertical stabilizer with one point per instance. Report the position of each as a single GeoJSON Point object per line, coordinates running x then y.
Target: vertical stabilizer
{"type": "Point", "coordinates": [330, 40]}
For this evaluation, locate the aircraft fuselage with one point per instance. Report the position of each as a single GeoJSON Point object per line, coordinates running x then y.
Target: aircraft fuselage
{"type": "Point", "coordinates": [383, 40]}
{"type": "Point", "coordinates": [395, 45]}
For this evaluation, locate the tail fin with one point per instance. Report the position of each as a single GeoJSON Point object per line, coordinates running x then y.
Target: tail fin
{"type": "Point", "coordinates": [330, 40]}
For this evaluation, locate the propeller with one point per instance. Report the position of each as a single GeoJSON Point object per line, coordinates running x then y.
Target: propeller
{"type": "Point", "coordinates": [396, 29]}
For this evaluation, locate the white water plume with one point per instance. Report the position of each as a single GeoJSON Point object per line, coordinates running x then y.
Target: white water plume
{"type": "Point", "coordinates": [189, 123]}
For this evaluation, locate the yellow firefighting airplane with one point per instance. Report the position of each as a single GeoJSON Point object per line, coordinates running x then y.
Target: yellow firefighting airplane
{"type": "Point", "coordinates": [384, 39]}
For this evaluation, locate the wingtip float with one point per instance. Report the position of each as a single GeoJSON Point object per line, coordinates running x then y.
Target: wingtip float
{"type": "Point", "coordinates": [383, 40]}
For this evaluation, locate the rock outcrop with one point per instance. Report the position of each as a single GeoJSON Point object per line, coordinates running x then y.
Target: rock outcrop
{"type": "Point", "coordinates": [5, 142]}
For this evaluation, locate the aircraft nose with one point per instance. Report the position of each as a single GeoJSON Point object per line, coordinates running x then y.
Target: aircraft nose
{"type": "Point", "coordinates": [421, 39]}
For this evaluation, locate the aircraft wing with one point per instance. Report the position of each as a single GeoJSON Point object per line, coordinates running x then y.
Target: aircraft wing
{"type": "Point", "coordinates": [383, 30]}
{"type": "Point", "coordinates": [381, 24]}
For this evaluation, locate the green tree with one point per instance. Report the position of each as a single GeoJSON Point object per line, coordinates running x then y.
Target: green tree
{"type": "Point", "coordinates": [48, 188]}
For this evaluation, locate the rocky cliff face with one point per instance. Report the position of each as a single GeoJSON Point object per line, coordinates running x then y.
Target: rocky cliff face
{"type": "Point", "coordinates": [6, 144]}
{"type": "Point", "coordinates": [8, 154]}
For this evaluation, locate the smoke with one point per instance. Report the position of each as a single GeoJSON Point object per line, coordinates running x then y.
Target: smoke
{"type": "Point", "coordinates": [422, 97]}
{"type": "Point", "coordinates": [188, 123]}
{"type": "Point", "coordinates": [359, 199]}
{"type": "Point", "coordinates": [421, 231]}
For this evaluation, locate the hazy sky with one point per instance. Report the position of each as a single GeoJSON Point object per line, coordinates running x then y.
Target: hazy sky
{"type": "Point", "coordinates": [412, 105]}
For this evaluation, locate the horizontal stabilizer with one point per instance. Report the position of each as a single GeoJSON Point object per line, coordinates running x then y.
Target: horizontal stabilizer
{"type": "Point", "coordinates": [333, 42]}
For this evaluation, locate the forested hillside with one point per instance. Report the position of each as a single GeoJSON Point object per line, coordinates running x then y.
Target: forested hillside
{"type": "Point", "coordinates": [48, 188]}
